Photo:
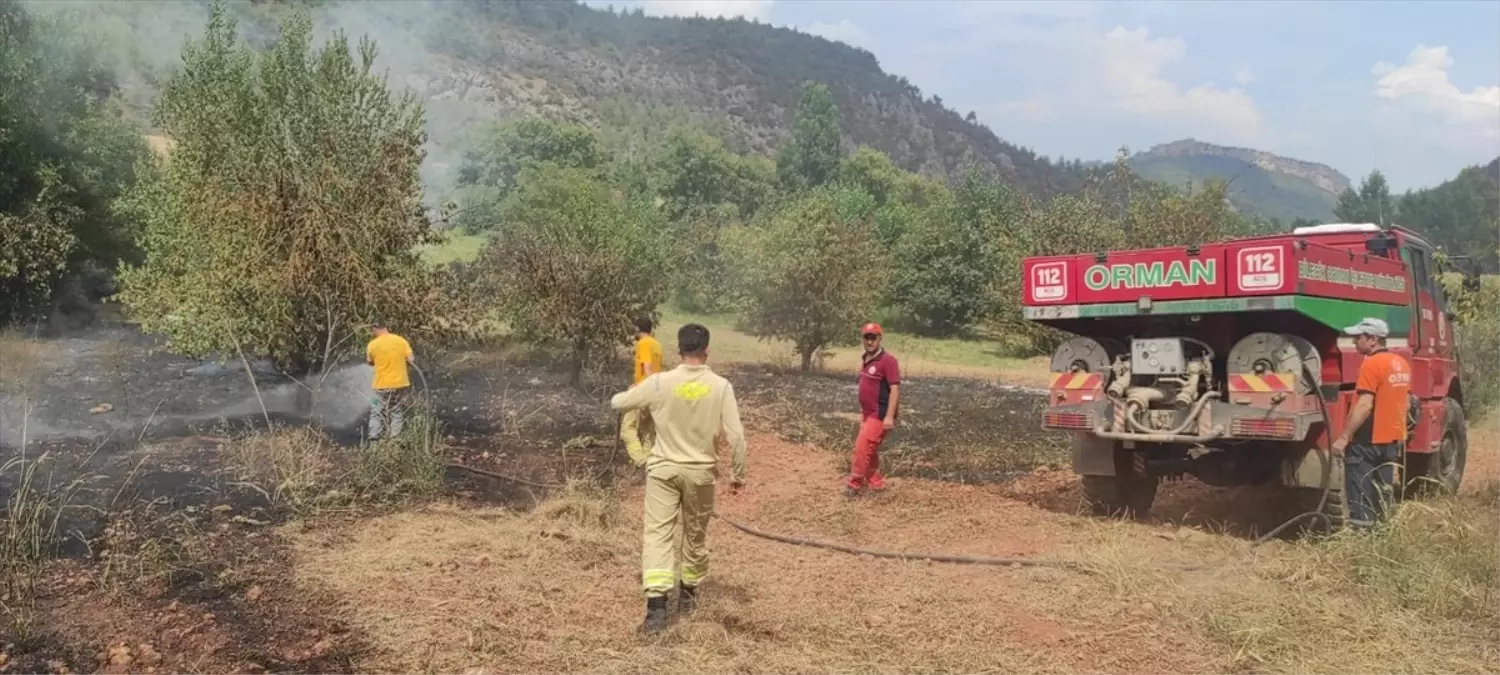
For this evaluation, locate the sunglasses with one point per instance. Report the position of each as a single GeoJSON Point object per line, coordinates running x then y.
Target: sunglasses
{"type": "Point", "coordinates": [871, 336]}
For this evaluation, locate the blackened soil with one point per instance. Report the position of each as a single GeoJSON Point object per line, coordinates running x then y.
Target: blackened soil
{"type": "Point", "coordinates": [961, 430]}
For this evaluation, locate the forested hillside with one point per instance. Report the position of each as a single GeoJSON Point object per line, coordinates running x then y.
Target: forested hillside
{"type": "Point", "coordinates": [1461, 215]}
{"type": "Point", "coordinates": [550, 122]}
{"type": "Point", "coordinates": [471, 61]}
{"type": "Point", "coordinates": [1260, 184]}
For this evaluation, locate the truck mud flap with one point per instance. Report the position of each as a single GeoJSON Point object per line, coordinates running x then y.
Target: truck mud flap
{"type": "Point", "coordinates": [1093, 456]}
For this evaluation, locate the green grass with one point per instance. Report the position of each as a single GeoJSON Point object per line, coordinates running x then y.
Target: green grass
{"type": "Point", "coordinates": [459, 248]}
{"type": "Point", "coordinates": [919, 356]}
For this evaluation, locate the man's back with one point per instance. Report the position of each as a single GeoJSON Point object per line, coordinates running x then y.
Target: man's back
{"type": "Point", "coordinates": [690, 404]}
{"type": "Point", "coordinates": [388, 353]}
{"type": "Point", "coordinates": [1387, 377]}
{"type": "Point", "coordinates": [647, 353]}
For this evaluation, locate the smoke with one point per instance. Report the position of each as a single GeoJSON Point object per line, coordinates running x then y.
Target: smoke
{"type": "Point", "coordinates": [143, 39]}
{"type": "Point", "coordinates": [338, 401]}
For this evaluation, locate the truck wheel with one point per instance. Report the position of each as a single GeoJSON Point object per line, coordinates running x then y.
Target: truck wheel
{"type": "Point", "coordinates": [1440, 472]}
{"type": "Point", "coordinates": [1305, 500]}
{"type": "Point", "coordinates": [1125, 494]}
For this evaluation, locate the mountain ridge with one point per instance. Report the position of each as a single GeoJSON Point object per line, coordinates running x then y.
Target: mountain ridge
{"type": "Point", "coordinates": [1261, 183]}
{"type": "Point", "coordinates": [1323, 176]}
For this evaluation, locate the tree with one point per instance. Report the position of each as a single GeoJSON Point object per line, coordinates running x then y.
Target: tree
{"type": "Point", "coordinates": [954, 253]}
{"type": "Point", "coordinates": [872, 171]}
{"type": "Point", "coordinates": [506, 148]}
{"type": "Point", "coordinates": [1162, 216]}
{"type": "Point", "coordinates": [1372, 204]}
{"type": "Point", "coordinates": [65, 158]}
{"type": "Point", "coordinates": [810, 158]}
{"type": "Point", "coordinates": [1461, 215]}
{"type": "Point", "coordinates": [490, 170]}
{"type": "Point", "coordinates": [704, 278]}
{"type": "Point", "coordinates": [694, 170]}
{"type": "Point", "coordinates": [574, 262]}
{"type": "Point", "coordinates": [286, 219]}
{"type": "Point", "coordinates": [813, 271]}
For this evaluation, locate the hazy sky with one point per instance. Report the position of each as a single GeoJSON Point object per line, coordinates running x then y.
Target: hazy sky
{"type": "Point", "coordinates": [1410, 88]}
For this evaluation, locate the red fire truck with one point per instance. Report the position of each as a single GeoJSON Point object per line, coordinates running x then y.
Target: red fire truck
{"type": "Point", "coordinates": [1227, 361]}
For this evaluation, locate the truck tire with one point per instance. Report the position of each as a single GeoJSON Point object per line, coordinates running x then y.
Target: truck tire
{"type": "Point", "coordinates": [1305, 500]}
{"type": "Point", "coordinates": [1441, 472]}
{"type": "Point", "coordinates": [1128, 493]}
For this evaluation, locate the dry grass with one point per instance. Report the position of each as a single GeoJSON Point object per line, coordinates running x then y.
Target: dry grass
{"type": "Point", "coordinates": [302, 469]}
{"type": "Point", "coordinates": [23, 362]}
{"type": "Point", "coordinates": [1421, 596]}
{"type": "Point", "coordinates": [29, 530]}
{"type": "Point", "coordinates": [33, 505]}
{"type": "Point", "coordinates": [453, 589]}
{"type": "Point", "coordinates": [920, 357]}
{"type": "Point", "coordinates": [294, 467]}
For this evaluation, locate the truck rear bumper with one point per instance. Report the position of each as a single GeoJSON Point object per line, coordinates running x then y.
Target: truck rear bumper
{"type": "Point", "coordinates": [1219, 421]}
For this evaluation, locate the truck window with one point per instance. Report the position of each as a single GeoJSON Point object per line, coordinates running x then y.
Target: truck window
{"type": "Point", "coordinates": [1417, 258]}
{"type": "Point", "coordinates": [1419, 269]}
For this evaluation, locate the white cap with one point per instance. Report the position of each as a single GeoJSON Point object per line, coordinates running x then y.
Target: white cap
{"type": "Point", "coordinates": [1369, 326]}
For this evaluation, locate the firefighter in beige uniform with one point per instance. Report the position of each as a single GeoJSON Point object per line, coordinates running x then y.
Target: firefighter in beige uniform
{"type": "Point", "coordinates": [689, 404]}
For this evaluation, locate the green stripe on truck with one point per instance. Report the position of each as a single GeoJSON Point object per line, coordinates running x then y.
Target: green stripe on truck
{"type": "Point", "coordinates": [1332, 313]}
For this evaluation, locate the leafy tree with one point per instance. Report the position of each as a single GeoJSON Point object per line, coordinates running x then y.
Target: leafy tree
{"type": "Point", "coordinates": [1372, 204]}
{"type": "Point", "coordinates": [489, 171]}
{"type": "Point", "coordinates": [508, 147]}
{"type": "Point", "coordinates": [1162, 216]}
{"type": "Point", "coordinates": [65, 158]}
{"type": "Point", "coordinates": [810, 157]}
{"type": "Point", "coordinates": [286, 218]}
{"type": "Point", "coordinates": [813, 272]}
{"type": "Point", "coordinates": [574, 262]}
{"type": "Point", "coordinates": [705, 279]}
{"type": "Point", "coordinates": [872, 171]}
{"type": "Point", "coordinates": [1461, 215]}
{"type": "Point", "coordinates": [949, 261]}
{"type": "Point", "coordinates": [695, 170]}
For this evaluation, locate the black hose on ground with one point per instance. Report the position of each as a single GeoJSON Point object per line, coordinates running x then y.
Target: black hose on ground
{"type": "Point", "coordinates": [979, 560]}
{"type": "Point", "coordinates": [894, 555]}
{"type": "Point", "coordinates": [1327, 456]}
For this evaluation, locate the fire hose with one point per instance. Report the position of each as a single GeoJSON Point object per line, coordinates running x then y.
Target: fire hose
{"type": "Point", "coordinates": [1327, 456]}
{"type": "Point", "coordinates": [960, 559]}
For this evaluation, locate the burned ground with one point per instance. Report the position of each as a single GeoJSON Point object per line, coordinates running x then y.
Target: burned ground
{"type": "Point", "coordinates": [173, 560]}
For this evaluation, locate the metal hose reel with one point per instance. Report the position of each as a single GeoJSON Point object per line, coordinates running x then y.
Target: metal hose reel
{"type": "Point", "coordinates": [1278, 353]}
{"type": "Point", "coordinates": [1083, 354]}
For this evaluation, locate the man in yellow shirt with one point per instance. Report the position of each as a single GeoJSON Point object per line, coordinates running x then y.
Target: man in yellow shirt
{"type": "Point", "coordinates": [691, 405]}
{"type": "Point", "coordinates": [389, 354]}
{"type": "Point", "coordinates": [636, 429]}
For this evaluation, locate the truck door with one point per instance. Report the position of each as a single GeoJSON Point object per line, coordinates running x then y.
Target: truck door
{"type": "Point", "coordinates": [1429, 359]}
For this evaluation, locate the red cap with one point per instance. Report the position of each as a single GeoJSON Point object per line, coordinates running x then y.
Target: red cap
{"type": "Point", "coordinates": [871, 327]}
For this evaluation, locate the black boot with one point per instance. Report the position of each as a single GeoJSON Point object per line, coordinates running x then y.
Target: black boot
{"type": "Point", "coordinates": [687, 599]}
{"type": "Point", "coordinates": [656, 615]}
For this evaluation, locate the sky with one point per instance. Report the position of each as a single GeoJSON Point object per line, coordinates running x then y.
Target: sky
{"type": "Point", "coordinates": [1409, 88]}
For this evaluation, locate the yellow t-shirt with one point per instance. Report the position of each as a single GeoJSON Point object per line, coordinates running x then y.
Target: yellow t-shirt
{"type": "Point", "coordinates": [647, 351]}
{"type": "Point", "coordinates": [388, 353]}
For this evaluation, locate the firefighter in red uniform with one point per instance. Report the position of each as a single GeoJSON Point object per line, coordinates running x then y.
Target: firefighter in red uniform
{"type": "Point", "coordinates": [879, 395]}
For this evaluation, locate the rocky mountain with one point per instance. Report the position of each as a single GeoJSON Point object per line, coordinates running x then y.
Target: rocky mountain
{"type": "Point", "coordinates": [1260, 183]}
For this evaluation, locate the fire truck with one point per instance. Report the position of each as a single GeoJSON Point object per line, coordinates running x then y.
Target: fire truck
{"type": "Point", "coordinates": [1228, 362]}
